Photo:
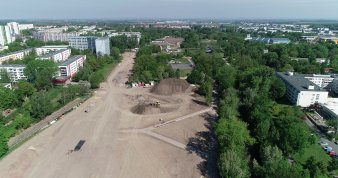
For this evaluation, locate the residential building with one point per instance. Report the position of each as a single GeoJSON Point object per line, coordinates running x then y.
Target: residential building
{"type": "Point", "coordinates": [56, 56]}
{"type": "Point", "coordinates": [15, 55]}
{"type": "Point", "coordinates": [302, 92]}
{"type": "Point", "coordinates": [323, 81]}
{"type": "Point", "coordinates": [6, 36]}
{"type": "Point", "coordinates": [71, 66]}
{"type": "Point", "coordinates": [6, 85]}
{"type": "Point", "coordinates": [83, 42]}
{"type": "Point", "coordinates": [271, 40]}
{"type": "Point", "coordinates": [53, 35]}
{"type": "Point", "coordinates": [25, 27]}
{"type": "Point", "coordinates": [102, 46]}
{"type": "Point", "coordinates": [47, 49]}
{"type": "Point", "coordinates": [15, 71]}
{"type": "Point", "coordinates": [169, 44]}
{"type": "Point", "coordinates": [128, 34]}
{"type": "Point", "coordinates": [14, 28]}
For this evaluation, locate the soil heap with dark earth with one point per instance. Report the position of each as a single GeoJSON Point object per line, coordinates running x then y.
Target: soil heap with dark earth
{"type": "Point", "coordinates": [170, 86]}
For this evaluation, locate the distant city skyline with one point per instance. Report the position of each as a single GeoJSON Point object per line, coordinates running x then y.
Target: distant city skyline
{"type": "Point", "coordinates": [169, 9]}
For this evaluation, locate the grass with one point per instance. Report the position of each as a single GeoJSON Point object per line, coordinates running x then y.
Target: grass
{"type": "Point", "coordinates": [314, 150]}
{"type": "Point", "coordinates": [106, 70]}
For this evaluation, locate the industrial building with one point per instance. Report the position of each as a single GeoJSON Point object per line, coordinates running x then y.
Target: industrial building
{"type": "Point", "coordinates": [102, 46]}
{"type": "Point", "coordinates": [15, 71]}
{"type": "Point", "coordinates": [301, 91]}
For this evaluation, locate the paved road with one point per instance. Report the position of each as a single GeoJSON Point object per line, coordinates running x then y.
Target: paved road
{"type": "Point", "coordinates": [321, 135]}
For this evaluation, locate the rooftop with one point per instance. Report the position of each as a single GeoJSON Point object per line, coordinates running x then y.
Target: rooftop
{"type": "Point", "coordinates": [12, 65]}
{"type": "Point", "coordinates": [299, 82]}
{"type": "Point", "coordinates": [15, 52]}
{"type": "Point", "coordinates": [71, 60]}
{"type": "Point", "coordinates": [51, 54]}
{"type": "Point", "coordinates": [181, 66]}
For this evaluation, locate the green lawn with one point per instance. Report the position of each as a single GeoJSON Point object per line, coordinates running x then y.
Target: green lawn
{"type": "Point", "coordinates": [314, 150]}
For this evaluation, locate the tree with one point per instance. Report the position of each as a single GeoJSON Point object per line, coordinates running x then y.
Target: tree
{"type": "Point", "coordinates": [317, 169]}
{"type": "Point", "coordinates": [40, 105]}
{"type": "Point", "coordinates": [41, 73]}
{"type": "Point", "coordinates": [278, 88]}
{"type": "Point", "coordinates": [4, 77]}
{"type": "Point", "coordinates": [25, 89]}
{"type": "Point", "coordinates": [232, 165]}
{"type": "Point", "coordinates": [3, 145]}
{"type": "Point", "coordinates": [8, 98]}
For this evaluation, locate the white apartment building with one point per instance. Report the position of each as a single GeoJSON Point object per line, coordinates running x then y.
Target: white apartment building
{"type": "Point", "coordinates": [47, 49]}
{"type": "Point", "coordinates": [6, 36]}
{"type": "Point", "coordinates": [17, 55]}
{"type": "Point", "coordinates": [102, 46]}
{"type": "Point", "coordinates": [15, 72]}
{"type": "Point", "coordinates": [138, 35]}
{"type": "Point", "coordinates": [71, 66]}
{"type": "Point", "coordinates": [14, 28]}
{"type": "Point", "coordinates": [25, 26]}
{"type": "Point", "coordinates": [323, 81]}
{"type": "Point", "coordinates": [53, 35]}
{"type": "Point", "coordinates": [302, 92]}
{"type": "Point", "coordinates": [56, 56]}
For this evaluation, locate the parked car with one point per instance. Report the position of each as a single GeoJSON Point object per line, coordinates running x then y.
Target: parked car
{"type": "Point", "coordinates": [328, 149]}
{"type": "Point", "coordinates": [336, 142]}
{"type": "Point", "coordinates": [324, 144]}
{"type": "Point", "coordinates": [332, 153]}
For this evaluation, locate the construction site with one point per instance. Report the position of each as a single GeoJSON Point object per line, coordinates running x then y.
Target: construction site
{"type": "Point", "coordinates": [162, 131]}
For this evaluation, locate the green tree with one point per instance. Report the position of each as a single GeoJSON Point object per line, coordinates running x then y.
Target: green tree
{"type": "Point", "coordinates": [41, 73]}
{"type": "Point", "coordinates": [3, 145]}
{"type": "Point", "coordinates": [24, 89]}
{"type": "Point", "coordinates": [232, 165]}
{"type": "Point", "coordinates": [40, 105]}
{"type": "Point", "coordinates": [4, 77]}
{"type": "Point", "coordinates": [8, 98]}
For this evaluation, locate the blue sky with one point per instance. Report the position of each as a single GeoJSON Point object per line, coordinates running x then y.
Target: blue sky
{"type": "Point", "coordinates": [153, 9]}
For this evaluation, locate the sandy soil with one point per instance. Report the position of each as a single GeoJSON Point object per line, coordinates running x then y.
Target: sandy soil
{"type": "Point", "coordinates": [107, 151]}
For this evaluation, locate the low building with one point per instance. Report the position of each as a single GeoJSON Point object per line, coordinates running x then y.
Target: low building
{"type": "Point", "coordinates": [169, 44]}
{"type": "Point", "coordinates": [15, 55]}
{"type": "Point", "coordinates": [83, 42]}
{"type": "Point", "coordinates": [71, 66]}
{"type": "Point", "coordinates": [15, 72]}
{"type": "Point", "coordinates": [302, 92]}
{"type": "Point", "coordinates": [47, 49]}
{"type": "Point", "coordinates": [56, 56]}
{"type": "Point", "coordinates": [271, 40]}
{"type": "Point", "coordinates": [181, 66]}
{"type": "Point", "coordinates": [323, 81]}
{"type": "Point", "coordinates": [25, 26]}
{"type": "Point", "coordinates": [6, 85]}
{"type": "Point", "coordinates": [102, 46]}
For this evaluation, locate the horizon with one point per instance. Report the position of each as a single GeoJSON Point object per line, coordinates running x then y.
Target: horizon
{"type": "Point", "coordinates": [173, 9]}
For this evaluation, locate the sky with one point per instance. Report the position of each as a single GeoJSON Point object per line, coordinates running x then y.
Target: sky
{"type": "Point", "coordinates": [169, 9]}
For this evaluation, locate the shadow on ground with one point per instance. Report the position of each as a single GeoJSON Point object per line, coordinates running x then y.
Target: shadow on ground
{"type": "Point", "coordinates": [204, 144]}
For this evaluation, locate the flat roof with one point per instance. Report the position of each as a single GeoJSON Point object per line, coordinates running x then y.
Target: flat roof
{"type": "Point", "coordinates": [71, 60]}
{"type": "Point", "coordinates": [299, 82]}
{"type": "Point", "coordinates": [15, 52]}
{"type": "Point", "coordinates": [55, 46]}
{"type": "Point", "coordinates": [51, 54]}
{"type": "Point", "coordinates": [332, 105]}
{"type": "Point", "coordinates": [13, 65]}
{"type": "Point", "coordinates": [181, 66]}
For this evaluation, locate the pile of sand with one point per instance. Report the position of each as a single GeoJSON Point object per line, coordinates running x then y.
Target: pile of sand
{"type": "Point", "coordinates": [170, 86]}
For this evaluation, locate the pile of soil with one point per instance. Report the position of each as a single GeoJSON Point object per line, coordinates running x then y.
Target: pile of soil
{"type": "Point", "coordinates": [144, 109]}
{"type": "Point", "coordinates": [170, 86]}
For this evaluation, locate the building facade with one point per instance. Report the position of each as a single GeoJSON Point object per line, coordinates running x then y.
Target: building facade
{"type": "Point", "coordinates": [56, 56]}
{"type": "Point", "coordinates": [47, 49]}
{"type": "Point", "coordinates": [71, 66]}
{"type": "Point", "coordinates": [15, 72]}
{"type": "Point", "coordinates": [83, 42]}
{"type": "Point", "coordinates": [15, 55]}
{"type": "Point", "coordinates": [102, 46]}
{"type": "Point", "coordinates": [25, 26]}
{"type": "Point", "coordinates": [53, 35]}
{"type": "Point", "coordinates": [6, 36]}
{"type": "Point", "coordinates": [301, 91]}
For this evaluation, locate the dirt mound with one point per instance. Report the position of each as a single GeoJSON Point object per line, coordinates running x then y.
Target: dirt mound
{"type": "Point", "coordinates": [170, 86]}
{"type": "Point", "coordinates": [144, 109]}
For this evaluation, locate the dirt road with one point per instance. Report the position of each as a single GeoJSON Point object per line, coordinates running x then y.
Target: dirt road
{"type": "Point", "coordinates": [106, 152]}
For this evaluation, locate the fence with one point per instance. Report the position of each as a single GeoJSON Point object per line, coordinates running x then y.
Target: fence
{"type": "Point", "coordinates": [29, 132]}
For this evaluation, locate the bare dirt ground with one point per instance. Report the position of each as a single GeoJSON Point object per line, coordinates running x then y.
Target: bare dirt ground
{"type": "Point", "coordinates": [159, 142]}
